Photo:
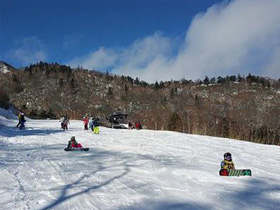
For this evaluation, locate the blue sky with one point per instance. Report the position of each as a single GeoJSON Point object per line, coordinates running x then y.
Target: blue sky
{"type": "Point", "coordinates": [149, 39]}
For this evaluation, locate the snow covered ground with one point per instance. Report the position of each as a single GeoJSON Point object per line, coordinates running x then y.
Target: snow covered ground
{"type": "Point", "coordinates": [130, 169]}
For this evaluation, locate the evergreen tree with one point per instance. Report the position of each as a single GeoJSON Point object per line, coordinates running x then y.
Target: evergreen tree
{"type": "Point", "coordinates": [206, 81]}
{"type": "Point", "coordinates": [156, 86]}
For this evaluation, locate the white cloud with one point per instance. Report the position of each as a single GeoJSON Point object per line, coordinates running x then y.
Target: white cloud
{"type": "Point", "coordinates": [29, 50]}
{"type": "Point", "coordinates": [100, 59]}
{"type": "Point", "coordinates": [229, 38]}
{"type": "Point", "coordinates": [132, 59]}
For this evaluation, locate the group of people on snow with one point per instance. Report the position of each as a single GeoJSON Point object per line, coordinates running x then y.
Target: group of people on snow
{"type": "Point", "coordinates": [91, 123]}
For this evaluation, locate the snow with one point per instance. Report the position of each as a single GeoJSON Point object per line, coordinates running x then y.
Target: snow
{"type": "Point", "coordinates": [130, 169]}
{"type": "Point", "coordinates": [3, 68]}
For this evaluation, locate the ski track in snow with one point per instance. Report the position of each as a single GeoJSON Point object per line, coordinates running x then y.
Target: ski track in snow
{"type": "Point", "coordinates": [131, 169]}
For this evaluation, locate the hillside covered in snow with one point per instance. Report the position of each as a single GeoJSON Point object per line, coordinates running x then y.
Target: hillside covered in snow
{"type": "Point", "coordinates": [130, 169]}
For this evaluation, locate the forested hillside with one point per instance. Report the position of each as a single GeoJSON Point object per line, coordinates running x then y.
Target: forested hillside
{"type": "Point", "coordinates": [240, 107]}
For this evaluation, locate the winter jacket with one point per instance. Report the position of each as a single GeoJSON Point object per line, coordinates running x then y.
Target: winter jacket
{"type": "Point", "coordinates": [22, 119]}
{"type": "Point", "coordinates": [225, 164]}
{"type": "Point", "coordinates": [95, 123]}
{"type": "Point", "coordinates": [85, 121]}
{"type": "Point", "coordinates": [74, 144]}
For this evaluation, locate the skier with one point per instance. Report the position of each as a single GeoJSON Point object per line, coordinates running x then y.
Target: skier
{"type": "Point", "coordinates": [227, 162]}
{"type": "Point", "coordinates": [85, 123]}
{"type": "Point", "coordinates": [73, 144]}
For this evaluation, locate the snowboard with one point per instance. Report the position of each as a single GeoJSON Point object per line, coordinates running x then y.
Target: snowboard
{"type": "Point", "coordinates": [235, 172]}
{"type": "Point", "coordinates": [71, 149]}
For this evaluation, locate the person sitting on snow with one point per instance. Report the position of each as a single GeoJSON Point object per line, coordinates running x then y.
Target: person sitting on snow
{"type": "Point", "coordinates": [73, 144]}
{"type": "Point", "coordinates": [227, 162]}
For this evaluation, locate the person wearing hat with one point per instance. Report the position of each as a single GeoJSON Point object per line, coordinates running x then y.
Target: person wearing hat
{"type": "Point", "coordinates": [227, 162]}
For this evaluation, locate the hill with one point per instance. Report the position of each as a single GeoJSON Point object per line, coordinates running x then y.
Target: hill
{"type": "Point", "coordinates": [131, 169]}
{"type": "Point", "coordinates": [234, 106]}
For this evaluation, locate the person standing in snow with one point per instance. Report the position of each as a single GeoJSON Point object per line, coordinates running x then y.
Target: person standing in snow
{"type": "Point", "coordinates": [90, 123]}
{"type": "Point", "coordinates": [65, 123]}
{"type": "Point", "coordinates": [19, 116]}
{"type": "Point", "coordinates": [21, 120]}
{"type": "Point", "coordinates": [95, 126]}
{"type": "Point", "coordinates": [61, 122]}
{"type": "Point", "coordinates": [227, 162]}
{"type": "Point", "coordinates": [85, 123]}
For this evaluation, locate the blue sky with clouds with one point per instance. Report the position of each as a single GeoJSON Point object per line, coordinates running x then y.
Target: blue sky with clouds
{"type": "Point", "coordinates": [149, 39]}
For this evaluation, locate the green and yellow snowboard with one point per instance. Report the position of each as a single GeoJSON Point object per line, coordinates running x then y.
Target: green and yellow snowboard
{"type": "Point", "coordinates": [235, 172]}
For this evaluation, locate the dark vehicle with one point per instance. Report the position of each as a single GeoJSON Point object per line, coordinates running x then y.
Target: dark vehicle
{"type": "Point", "coordinates": [117, 120]}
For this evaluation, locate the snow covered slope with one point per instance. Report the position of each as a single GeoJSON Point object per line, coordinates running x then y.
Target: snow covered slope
{"type": "Point", "coordinates": [130, 169]}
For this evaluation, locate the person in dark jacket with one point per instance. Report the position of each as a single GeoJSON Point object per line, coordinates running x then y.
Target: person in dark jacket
{"type": "Point", "coordinates": [21, 121]}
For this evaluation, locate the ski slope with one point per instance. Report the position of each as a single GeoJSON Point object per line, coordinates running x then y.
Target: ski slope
{"type": "Point", "coordinates": [130, 169]}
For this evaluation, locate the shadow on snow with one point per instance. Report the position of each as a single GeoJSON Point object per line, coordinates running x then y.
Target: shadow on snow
{"type": "Point", "coordinates": [258, 194]}
{"type": "Point", "coordinates": [64, 195]}
{"type": "Point", "coordinates": [9, 132]}
{"type": "Point", "coordinates": [167, 205]}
